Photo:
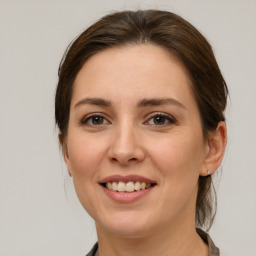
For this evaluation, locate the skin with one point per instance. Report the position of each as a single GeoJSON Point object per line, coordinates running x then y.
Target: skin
{"type": "Point", "coordinates": [126, 138]}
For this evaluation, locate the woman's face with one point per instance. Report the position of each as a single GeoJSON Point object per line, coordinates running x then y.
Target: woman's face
{"type": "Point", "coordinates": [134, 122]}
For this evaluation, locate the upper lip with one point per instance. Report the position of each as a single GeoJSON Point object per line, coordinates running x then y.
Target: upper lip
{"type": "Point", "coordinates": [126, 179]}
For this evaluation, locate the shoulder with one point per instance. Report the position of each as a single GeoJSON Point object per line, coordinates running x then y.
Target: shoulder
{"type": "Point", "coordinates": [213, 249]}
{"type": "Point", "coordinates": [93, 251]}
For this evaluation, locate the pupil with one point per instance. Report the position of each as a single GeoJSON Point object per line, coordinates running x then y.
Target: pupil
{"type": "Point", "coordinates": [159, 120]}
{"type": "Point", "coordinates": [97, 120]}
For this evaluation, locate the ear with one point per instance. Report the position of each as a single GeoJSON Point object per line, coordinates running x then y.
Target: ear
{"type": "Point", "coordinates": [216, 144]}
{"type": "Point", "coordinates": [64, 149]}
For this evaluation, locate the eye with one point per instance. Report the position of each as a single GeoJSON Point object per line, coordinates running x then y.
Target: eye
{"type": "Point", "coordinates": [94, 120]}
{"type": "Point", "coordinates": [161, 120]}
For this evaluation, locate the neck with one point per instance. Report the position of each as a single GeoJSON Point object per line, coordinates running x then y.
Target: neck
{"type": "Point", "coordinates": [172, 237]}
{"type": "Point", "coordinates": [165, 242]}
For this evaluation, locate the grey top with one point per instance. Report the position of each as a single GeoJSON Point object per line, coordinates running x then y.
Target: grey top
{"type": "Point", "coordinates": [213, 250]}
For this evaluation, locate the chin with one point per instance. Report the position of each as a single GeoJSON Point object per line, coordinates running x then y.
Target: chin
{"type": "Point", "coordinates": [125, 225]}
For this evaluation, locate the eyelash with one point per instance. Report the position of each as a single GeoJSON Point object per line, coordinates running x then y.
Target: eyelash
{"type": "Point", "coordinates": [85, 120]}
{"type": "Point", "coordinates": [168, 118]}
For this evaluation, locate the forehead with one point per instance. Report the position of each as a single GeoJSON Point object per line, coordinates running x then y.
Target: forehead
{"type": "Point", "coordinates": [133, 71]}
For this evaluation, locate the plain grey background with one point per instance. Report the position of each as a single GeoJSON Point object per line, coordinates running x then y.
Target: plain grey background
{"type": "Point", "coordinates": [39, 212]}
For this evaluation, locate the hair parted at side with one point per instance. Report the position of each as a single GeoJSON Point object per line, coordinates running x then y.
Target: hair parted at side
{"type": "Point", "coordinates": [179, 37]}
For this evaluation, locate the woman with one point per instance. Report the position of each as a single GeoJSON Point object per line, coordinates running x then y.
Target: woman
{"type": "Point", "coordinates": [140, 108]}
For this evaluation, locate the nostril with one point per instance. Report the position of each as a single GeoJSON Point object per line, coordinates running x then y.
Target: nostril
{"type": "Point", "coordinates": [123, 160]}
{"type": "Point", "coordinates": [113, 159]}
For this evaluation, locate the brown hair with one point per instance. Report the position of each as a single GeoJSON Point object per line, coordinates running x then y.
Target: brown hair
{"type": "Point", "coordinates": [177, 36]}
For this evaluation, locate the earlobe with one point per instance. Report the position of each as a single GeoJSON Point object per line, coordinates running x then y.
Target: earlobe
{"type": "Point", "coordinates": [216, 144]}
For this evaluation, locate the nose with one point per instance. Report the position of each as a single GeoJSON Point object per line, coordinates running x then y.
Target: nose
{"type": "Point", "coordinates": [126, 146]}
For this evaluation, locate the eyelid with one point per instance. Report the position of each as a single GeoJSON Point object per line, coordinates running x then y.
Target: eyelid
{"type": "Point", "coordinates": [85, 119]}
{"type": "Point", "coordinates": [170, 118]}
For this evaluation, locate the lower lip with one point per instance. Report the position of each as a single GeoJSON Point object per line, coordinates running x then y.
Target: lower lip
{"type": "Point", "coordinates": [126, 197]}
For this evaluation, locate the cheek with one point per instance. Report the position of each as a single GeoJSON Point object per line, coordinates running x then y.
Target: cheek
{"type": "Point", "coordinates": [179, 163]}
{"type": "Point", "coordinates": [85, 155]}
{"type": "Point", "coordinates": [85, 158]}
{"type": "Point", "coordinates": [179, 159]}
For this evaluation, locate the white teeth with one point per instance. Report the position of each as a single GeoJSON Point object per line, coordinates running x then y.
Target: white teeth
{"type": "Point", "coordinates": [128, 187]}
{"type": "Point", "coordinates": [148, 185]}
{"type": "Point", "coordinates": [143, 185]}
{"type": "Point", "coordinates": [121, 186]}
{"type": "Point", "coordinates": [137, 185]}
{"type": "Point", "coordinates": [114, 186]}
{"type": "Point", "coordinates": [109, 185]}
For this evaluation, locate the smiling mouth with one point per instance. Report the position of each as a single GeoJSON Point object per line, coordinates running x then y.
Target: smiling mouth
{"type": "Point", "coordinates": [130, 186]}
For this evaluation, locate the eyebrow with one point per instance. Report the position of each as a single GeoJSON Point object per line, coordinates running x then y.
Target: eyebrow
{"type": "Point", "coordinates": [141, 103]}
{"type": "Point", "coordinates": [158, 102]}
{"type": "Point", "coordinates": [94, 101]}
